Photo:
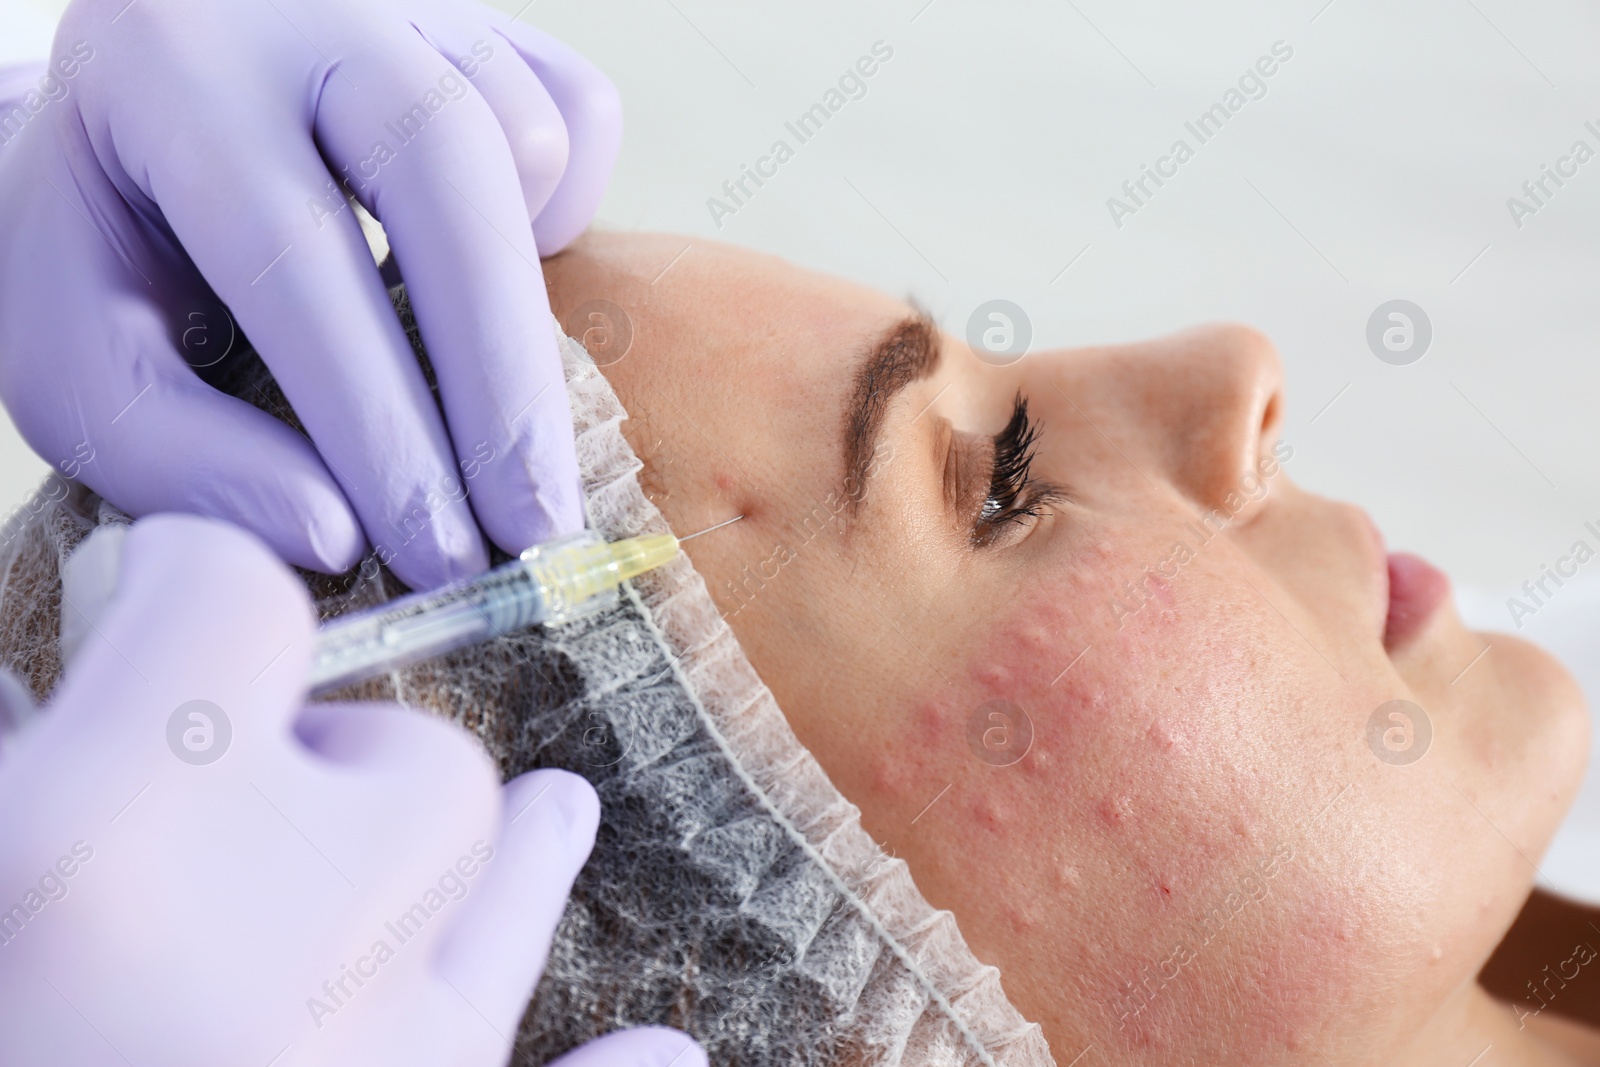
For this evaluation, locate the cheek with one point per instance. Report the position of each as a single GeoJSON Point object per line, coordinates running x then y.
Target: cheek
{"type": "Point", "coordinates": [1259, 977]}
{"type": "Point", "coordinates": [1142, 719]}
{"type": "Point", "coordinates": [1170, 758]}
{"type": "Point", "coordinates": [909, 765]}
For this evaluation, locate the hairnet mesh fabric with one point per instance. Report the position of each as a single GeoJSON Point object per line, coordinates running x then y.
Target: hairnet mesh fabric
{"type": "Point", "coordinates": [732, 891]}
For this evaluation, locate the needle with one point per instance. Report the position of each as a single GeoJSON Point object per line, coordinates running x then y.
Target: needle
{"type": "Point", "coordinates": [708, 529]}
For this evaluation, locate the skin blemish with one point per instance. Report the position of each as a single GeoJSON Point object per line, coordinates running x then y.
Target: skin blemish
{"type": "Point", "coordinates": [988, 813]}
{"type": "Point", "coordinates": [1158, 735]}
{"type": "Point", "coordinates": [989, 675]}
{"type": "Point", "coordinates": [1113, 811]}
{"type": "Point", "coordinates": [1020, 916]}
{"type": "Point", "coordinates": [902, 770]}
{"type": "Point", "coordinates": [929, 723]}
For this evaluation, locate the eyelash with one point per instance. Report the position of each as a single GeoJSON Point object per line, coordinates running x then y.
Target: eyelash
{"type": "Point", "coordinates": [1014, 494]}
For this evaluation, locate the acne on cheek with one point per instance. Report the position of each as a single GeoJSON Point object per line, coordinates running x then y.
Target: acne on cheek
{"type": "Point", "coordinates": [930, 750]}
{"type": "Point", "coordinates": [1134, 747]}
{"type": "Point", "coordinates": [1115, 699]}
{"type": "Point", "coordinates": [1125, 742]}
{"type": "Point", "coordinates": [1309, 961]}
{"type": "Point", "coordinates": [919, 751]}
{"type": "Point", "coordinates": [1031, 648]}
{"type": "Point", "coordinates": [989, 812]}
{"type": "Point", "coordinates": [1281, 976]}
{"type": "Point", "coordinates": [1065, 676]}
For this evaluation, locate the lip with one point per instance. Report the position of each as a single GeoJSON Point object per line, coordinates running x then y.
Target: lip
{"type": "Point", "coordinates": [1417, 589]}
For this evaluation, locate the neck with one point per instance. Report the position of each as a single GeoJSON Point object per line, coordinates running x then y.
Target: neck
{"type": "Point", "coordinates": [1473, 1028]}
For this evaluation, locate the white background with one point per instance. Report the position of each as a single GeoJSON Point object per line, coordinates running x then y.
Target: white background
{"type": "Point", "coordinates": [1377, 166]}
{"type": "Point", "coordinates": [979, 163]}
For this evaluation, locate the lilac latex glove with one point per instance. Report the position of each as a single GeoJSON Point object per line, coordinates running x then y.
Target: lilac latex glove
{"type": "Point", "coordinates": [176, 152]}
{"type": "Point", "coordinates": [196, 871]}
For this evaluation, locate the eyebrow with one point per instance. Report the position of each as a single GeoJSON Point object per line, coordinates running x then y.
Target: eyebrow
{"type": "Point", "coordinates": [905, 353]}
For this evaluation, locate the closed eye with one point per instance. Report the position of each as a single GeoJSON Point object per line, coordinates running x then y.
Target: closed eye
{"type": "Point", "coordinates": [1015, 495]}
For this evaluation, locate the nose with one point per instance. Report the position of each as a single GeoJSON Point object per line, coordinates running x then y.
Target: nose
{"type": "Point", "coordinates": [1205, 406]}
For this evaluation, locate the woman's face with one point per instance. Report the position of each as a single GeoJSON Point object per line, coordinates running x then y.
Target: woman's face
{"type": "Point", "coordinates": [1205, 851]}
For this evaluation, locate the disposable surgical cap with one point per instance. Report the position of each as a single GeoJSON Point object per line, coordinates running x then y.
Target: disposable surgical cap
{"type": "Point", "coordinates": [732, 891]}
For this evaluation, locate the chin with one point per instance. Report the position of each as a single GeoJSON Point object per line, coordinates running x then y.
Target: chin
{"type": "Point", "coordinates": [1534, 734]}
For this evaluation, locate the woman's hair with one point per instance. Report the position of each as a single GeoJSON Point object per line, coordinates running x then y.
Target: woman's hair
{"type": "Point", "coordinates": [732, 892]}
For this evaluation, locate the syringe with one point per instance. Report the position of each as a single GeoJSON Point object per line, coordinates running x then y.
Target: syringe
{"type": "Point", "coordinates": [550, 583]}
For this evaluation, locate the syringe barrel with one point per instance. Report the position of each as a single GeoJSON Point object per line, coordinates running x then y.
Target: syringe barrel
{"type": "Point", "coordinates": [424, 625]}
{"type": "Point", "coordinates": [550, 583]}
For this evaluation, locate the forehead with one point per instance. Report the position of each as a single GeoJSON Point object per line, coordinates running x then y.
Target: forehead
{"type": "Point", "coordinates": [737, 366]}
{"type": "Point", "coordinates": [741, 345]}
{"type": "Point", "coordinates": [695, 301]}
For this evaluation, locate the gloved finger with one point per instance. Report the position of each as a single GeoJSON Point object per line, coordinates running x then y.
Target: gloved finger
{"type": "Point", "coordinates": [452, 206]}
{"type": "Point", "coordinates": [528, 117]}
{"type": "Point", "coordinates": [186, 447]}
{"type": "Point", "coordinates": [17, 78]}
{"type": "Point", "coordinates": [88, 584]}
{"type": "Point", "coordinates": [647, 1046]}
{"type": "Point", "coordinates": [406, 790]}
{"type": "Point", "coordinates": [496, 950]}
{"type": "Point", "coordinates": [202, 612]}
{"type": "Point", "coordinates": [17, 706]}
{"type": "Point", "coordinates": [106, 397]}
{"type": "Point", "coordinates": [591, 110]}
{"type": "Point", "coordinates": [301, 281]}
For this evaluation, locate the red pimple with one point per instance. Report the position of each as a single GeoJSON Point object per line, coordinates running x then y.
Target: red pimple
{"type": "Point", "coordinates": [989, 814]}
{"type": "Point", "coordinates": [1111, 811]}
{"type": "Point", "coordinates": [989, 675]}
{"type": "Point", "coordinates": [1021, 917]}
{"type": "Point", "coordinates": [887, 772]}
{"type": "Point", "coordinates": [926, 720]}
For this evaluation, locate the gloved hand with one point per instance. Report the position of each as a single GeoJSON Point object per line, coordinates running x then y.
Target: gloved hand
{"type": "Point", "coordinates": [179, 151]}
{"type": "Point", "coordinates": [195, 871]}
